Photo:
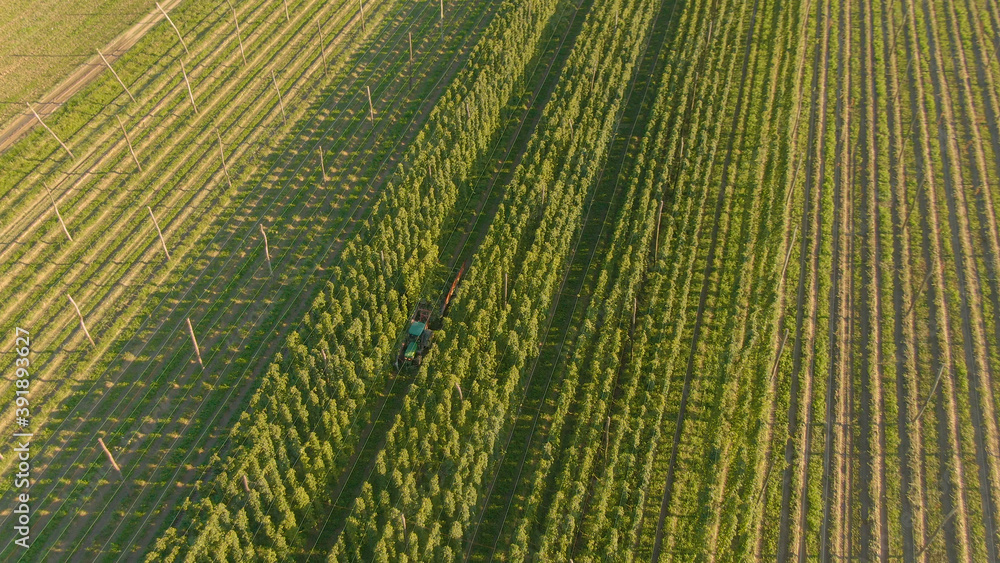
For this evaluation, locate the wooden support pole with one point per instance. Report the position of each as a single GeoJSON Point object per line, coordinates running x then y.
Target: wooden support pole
{"type": "Point", "coordinates": [51, 132]}
{"type": "Point", "coordinates": [238, 37]}
{"type": "Point", "coordinates": [322, 165]}
{"type": "Point", "coordinates": [635, 308]}
{"type": "Point", "coordinates": [159, 233]}
{"type": "Point", "coordinates": [281, 102]}
{"type": "Point", "coordinates": [82, 324]}
{"type": "Point", "coordinates": [917, 293]}
{"type": "Point", "coordinates": [777, 355]}
{"type": "Point", "coordinates": [906, 220]}
{"type": "Point", "coordinates": [129, 143]}
{"type": "Point", "coordinates": [246, 483]}
{"type": "Point", "coordinates": [442, 11]}
{"type": "Point", "coordinates": [929, 396]}
{"type": "Point", "coordinates": [937, 530]}
{"type": "Point", "coordinates": [409, 36]}
{"type": "Point", "coordinates": [505, 287]}
{"type": "Point", "coordinates": [222, 154]}
{"type": "Point", "coordinates": [361, 4]}
{"type": "Point", "coordinates": [111, 458]}
{"type": "Point", "coordinates": [371, 107]}
{"type": "Point", "coordinates": [287, 19]}
{"type": "Point", "coordinates": [188, 82]}
{"type": "Point", "coordinates": [322, 46]}
{"type": "Point", "coordinates": [788, 253]}
{"type": "Point", "coordinates": [460, 395]}
{"type": "Point", "coordinates": [197, 351]}
{"type": "Point", "coordinates": [177, 31]}
{"type": "Point", "coordinates": [267, 251]}
{"type": "Point", "coordinates": [118, 78]}
{"type": "Point", "coordinates": [58, 215]}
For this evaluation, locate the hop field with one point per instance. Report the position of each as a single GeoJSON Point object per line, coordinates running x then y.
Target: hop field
{"type": "Point", "coordinates": [706, 280]}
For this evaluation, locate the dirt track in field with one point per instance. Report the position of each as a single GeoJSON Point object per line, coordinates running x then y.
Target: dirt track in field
{"type": "Point", "coordinates": [82, 76]}
{"type": "Point", "coordinates": [816, 133]}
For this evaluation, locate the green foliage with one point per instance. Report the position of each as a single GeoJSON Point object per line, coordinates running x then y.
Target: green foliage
{"type": "Point", "coordinates": [355, 322]}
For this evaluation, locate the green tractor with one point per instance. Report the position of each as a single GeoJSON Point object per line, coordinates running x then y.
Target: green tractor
{"type": "Point", "coordinates": [417, 340]}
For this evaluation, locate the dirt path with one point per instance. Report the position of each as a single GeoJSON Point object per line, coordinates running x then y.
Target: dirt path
{"type": "Point", "coordinates": [970, 300]}
{"type": "Point", "coordinates": [950, 460]}
{"type": "Point", "coordinates": [82, 76]}
{"type": "Point", "coordinates": [835, 423]}
{"type": "Point", "coordinates": [814, 167]}
{"type": "Point", "coordinates": [874, 513]}
{"type": "Point", "coordinates": [913, 516]}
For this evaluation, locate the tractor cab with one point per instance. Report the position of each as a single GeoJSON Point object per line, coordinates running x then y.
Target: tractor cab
{"type": "Point", "coordinates": [417, 339]}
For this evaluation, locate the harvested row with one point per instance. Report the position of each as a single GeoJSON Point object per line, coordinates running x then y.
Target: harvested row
{"type": "Point", "coordinates": [312, 61]}
{"type": "Point", "coordinates": [300, 258]}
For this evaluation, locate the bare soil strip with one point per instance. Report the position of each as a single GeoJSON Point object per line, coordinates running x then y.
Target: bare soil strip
{"type": "Point", "coordinates": [832, 527]}
{"type": "Point", "coordinates": [808, 247]}
{"type": "Point", "coordinates": [981, 407]}
{"type": "Point", "coordinates": [913, 516]}
{"type": "Point", "coordinates": [950, 461]}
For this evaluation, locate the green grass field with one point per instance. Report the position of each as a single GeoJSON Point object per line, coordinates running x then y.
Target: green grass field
{"type": "Point", "coordinates": [42, 42]}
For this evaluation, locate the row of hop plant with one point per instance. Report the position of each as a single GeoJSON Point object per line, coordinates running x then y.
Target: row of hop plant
{"type": "Point", "coordinates": [606, 466]}
{"type": "Point", "coordinates": [442, 445]}
{"type": "Point", "coordinates": [306, 62]}
{"type": "Point", "coordinates": [354, 324]}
